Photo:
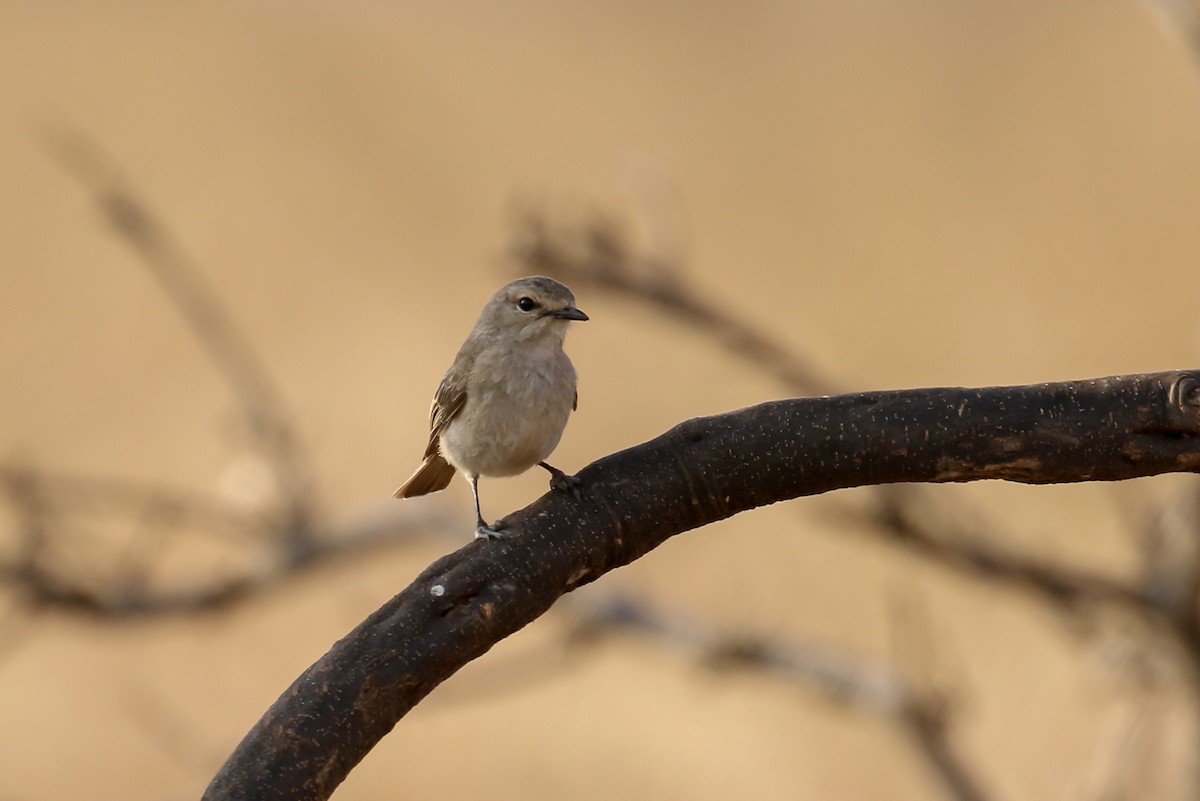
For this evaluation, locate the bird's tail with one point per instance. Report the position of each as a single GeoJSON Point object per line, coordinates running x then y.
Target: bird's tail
{"type": "Point", "coordinates": [434, 474]}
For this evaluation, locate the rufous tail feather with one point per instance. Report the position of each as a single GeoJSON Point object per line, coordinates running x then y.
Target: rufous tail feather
{"type": "Point", "coordinates": [434, 474]}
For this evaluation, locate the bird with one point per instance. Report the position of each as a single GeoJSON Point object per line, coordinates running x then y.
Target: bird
{"type": "Point", "coordinates": [502, 406]}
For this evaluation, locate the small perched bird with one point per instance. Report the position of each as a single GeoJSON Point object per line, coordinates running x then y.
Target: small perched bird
{"type": "Point", "coordinates": [502, 406]}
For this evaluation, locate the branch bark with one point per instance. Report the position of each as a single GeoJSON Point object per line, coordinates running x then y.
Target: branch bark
{"type": "Point", "coordinates": [701, 471]}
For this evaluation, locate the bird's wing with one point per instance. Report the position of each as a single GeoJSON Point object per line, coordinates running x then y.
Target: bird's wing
{"type": "Point", "coordinates": [575, 402]}
{"type": "Point", "coordinates": [448, 401]}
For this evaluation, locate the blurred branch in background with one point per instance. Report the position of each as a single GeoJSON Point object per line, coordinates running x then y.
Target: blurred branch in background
{"type": "Point", "coordinates": [594, 251]}
{"type": "Point", "coordinates": [920, 709]}
{"type": "Point", "coordinates": [55, 514]}
{"type": "Point", "coordinates": [1181, 19]}
{"type": "Point", "coordinates": [59, 559]}
{"type": "Point", "coordinates": [597, 255]}
{"type": "Point", "coordinates": [164, 257]}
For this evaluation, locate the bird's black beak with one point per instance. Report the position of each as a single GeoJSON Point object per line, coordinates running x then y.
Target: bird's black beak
{"type": "Point", "coordinates": [569, 313]}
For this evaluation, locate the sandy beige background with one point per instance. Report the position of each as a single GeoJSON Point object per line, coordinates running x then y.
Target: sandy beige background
{"type": "Point", "coordinates": [922, 193]}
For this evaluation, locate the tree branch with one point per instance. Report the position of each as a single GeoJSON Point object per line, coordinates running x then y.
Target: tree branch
{"type": "Point", "coordinates": [699, 472]}
{"type": "Point", "coordinates": [199, 305]}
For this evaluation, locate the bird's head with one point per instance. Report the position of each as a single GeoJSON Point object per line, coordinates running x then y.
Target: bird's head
{"type": "Point", "coordinates": [533, 309]}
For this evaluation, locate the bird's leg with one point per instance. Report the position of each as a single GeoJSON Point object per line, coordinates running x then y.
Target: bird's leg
{"type": "Point", "coordinates": [482, 530]}
{"type": "Point", "coordinates": [561, 482]}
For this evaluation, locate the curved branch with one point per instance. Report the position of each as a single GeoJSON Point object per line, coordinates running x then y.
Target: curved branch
{"type": "Point", "coordinates": [699, 472]}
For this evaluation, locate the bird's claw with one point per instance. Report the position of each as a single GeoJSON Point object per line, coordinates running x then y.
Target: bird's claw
{"type": "Point", "coordinates": [561, 482]}
{"type": "Point", "coordinates": [486, 532]}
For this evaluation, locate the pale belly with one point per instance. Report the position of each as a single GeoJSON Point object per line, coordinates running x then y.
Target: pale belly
{"type": "Point", "coordinates": [515, 429]}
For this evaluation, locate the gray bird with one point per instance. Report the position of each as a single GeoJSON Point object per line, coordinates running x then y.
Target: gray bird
{"type": "Point", "coordinates": [502, 406]}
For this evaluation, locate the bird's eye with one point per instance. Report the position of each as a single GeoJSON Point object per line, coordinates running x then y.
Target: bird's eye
{"type": "Point", "coordinates": [527, 304]}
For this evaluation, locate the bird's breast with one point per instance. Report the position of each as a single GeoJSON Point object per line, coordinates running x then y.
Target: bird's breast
{"type": "Point", "coordinates": [517, 407]}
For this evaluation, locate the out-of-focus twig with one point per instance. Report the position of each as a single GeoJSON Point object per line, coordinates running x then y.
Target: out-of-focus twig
{"type": "Point", "coordinates": [597, 255]}
{"type": "Point", "coordinates": [181, 278]}
{"type": "Point", "coordinates": [1170, 575]}
{"type": "Point", "coordinates": [36, 490]}
{"type": "Point", "coordinates": [54, 511]}
{"type": "Point", "coordinates": [902, 514]}
{"type": "Point", "coordinates": [1180, 18]}
{"type": "Point", "coordinates": [41, 581]}
{"type": "Point", "coordinates": [824, 670]}
{"type": "Point", "coordinates": [928, 716]}
{"type": "Point", "coordinates": [921, 713]}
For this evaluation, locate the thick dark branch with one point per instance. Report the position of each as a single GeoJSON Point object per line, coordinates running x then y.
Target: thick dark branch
{"type": "Point", "coordinates": [701, 471]}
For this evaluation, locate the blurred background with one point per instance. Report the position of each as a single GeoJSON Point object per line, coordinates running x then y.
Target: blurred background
{"type": "Point", "coordinates": [314, 200]}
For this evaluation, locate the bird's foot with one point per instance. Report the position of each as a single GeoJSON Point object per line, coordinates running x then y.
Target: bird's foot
{"type": "Point", "coordinates": [564, 483]}
{"type": "Point", "coordinates": [561, 482]}
{"type": "Point", "coordinates": [485, 532]}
